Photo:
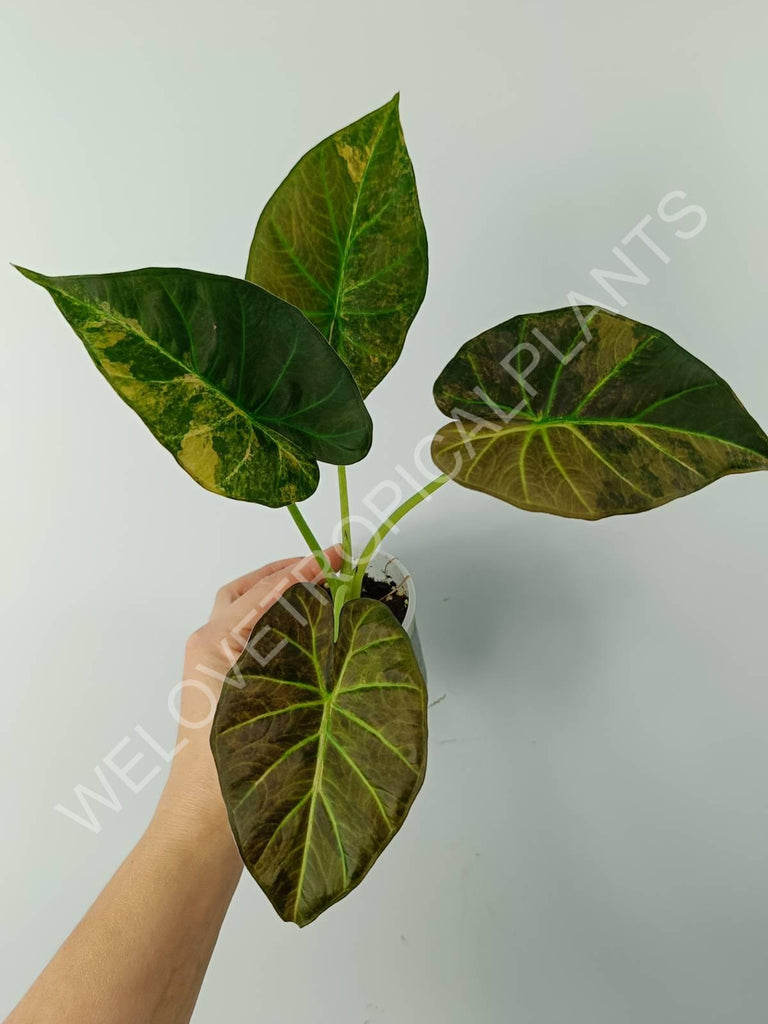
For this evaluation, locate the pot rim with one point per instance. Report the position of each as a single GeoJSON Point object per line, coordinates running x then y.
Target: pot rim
{"type": "Point", "coordinates": [383, 564]}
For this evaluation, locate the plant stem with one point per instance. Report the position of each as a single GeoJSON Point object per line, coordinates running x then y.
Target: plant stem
{"type": "Point", "coordinates": [371, 547]}
{"type": "Point", "coordinates": [314, 545]}
{"type": "Point", "coordinates": [346, 527]}
{"type": "Point", "coordinates": [339, 600]}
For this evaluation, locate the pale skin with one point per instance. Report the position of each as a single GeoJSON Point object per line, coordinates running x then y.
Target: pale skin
{"type": "Point", "coordinates": [141, 952]}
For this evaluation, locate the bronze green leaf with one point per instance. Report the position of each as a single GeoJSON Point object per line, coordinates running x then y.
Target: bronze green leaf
{"type": "Point", "coordinates": [320, 747]}
{"type": "Point", "coordinates": [342, 238]}
{"type": "Point", "coordinates": [585, 413]}
{"type": "Point", "coordinates": [236, 383]}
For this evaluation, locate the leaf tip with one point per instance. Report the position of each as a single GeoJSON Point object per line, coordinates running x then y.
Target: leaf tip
{"type": "Point", "coordinates": [31, 274]}
{"type": "Point", "coordinates": [393, 107]}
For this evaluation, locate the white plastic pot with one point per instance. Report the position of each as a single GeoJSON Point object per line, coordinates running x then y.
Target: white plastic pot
{"type": "Point", "coordinates": [386, 567]}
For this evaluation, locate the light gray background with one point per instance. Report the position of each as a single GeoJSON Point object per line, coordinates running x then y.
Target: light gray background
{"type": "Point", "coordinates": [591, 842]}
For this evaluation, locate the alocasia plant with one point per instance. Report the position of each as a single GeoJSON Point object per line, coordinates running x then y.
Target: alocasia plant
{"type": "Point", "coordinates": [321, 747]}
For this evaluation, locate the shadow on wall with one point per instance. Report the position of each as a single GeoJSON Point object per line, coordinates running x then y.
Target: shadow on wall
{"type": "Point", "coordinates": [514, 594]}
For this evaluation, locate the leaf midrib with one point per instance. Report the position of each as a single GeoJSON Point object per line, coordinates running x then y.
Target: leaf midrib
{"type": "Point", "coordinates": [350, 231]}
{"type": "Point", "coordinates": [317, 782]}
{"type": "Point", "coordinates": [325, 732]}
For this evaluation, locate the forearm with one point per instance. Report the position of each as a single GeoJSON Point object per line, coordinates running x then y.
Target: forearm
{"type": "Point", "coordinates": [141, 951]}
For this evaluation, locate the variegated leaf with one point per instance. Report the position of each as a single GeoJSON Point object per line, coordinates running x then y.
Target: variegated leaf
{"type": "Point", "coordinates": [586, 413]}
{"type": "Point", "coordinates": [342, 238]}
{"type": "Point", "coordinates": [236, 383]}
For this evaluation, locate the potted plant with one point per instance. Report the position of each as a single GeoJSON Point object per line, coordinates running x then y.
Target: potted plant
{"type": "Point", "coordinates": [320, 743]}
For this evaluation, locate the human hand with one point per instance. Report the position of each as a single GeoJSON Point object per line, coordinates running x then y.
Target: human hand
{"type": "Point", "coordinates": [159, 916]}
{"type": "Point", "coordinates": [192, 793]}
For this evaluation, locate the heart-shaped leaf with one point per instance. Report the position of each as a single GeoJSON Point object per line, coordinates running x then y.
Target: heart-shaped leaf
{"type": "Point", "coordinates": [320, 747]}
{"type": "Point", "coordinates": [236, 383]}
{"type": "Point", "coordinates": [342, 238]}
{"type": "Point", "coordinates": [586, 413]}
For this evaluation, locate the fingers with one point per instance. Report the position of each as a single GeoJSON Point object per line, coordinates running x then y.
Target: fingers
{"type": "Point", "coordinates": [231, 591]}
{"type": "Point", "coordinates": [293, 570]}
{"type": "Point", "coordinates": [334, 557]}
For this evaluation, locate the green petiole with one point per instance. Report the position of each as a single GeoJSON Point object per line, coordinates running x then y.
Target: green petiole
{"type": "Point", "coordinates": [373, 544]}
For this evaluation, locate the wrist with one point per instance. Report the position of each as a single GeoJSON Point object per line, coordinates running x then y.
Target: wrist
{"type": "Point", "coordinates": [191, 811]}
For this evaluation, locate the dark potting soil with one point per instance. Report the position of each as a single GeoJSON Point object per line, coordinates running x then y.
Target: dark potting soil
{"type": "Point", "coordinates": [386, 592]}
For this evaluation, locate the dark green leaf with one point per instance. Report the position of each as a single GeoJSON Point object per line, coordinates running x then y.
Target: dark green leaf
{"type": "Point", "coordinates": [342, 238]}
{"type": "Point", "coordinates": [588, 414]}
{"type": "Point", "coordinates": [235, 383]}
{"type": "Point", "coordinates": [320, 747]}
